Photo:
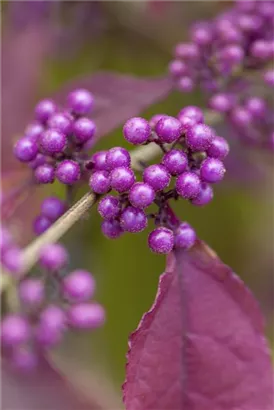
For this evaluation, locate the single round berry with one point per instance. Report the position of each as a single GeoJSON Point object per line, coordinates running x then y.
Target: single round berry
{"type": "Point", "coordinates": [136, 130]}
{"type": "Point", "coordinates": [161, 240]}
{"type": "Point", "coordinates": [175, 161]}
{"type": "Point", "coordinates": [31, 292]}
{"type": "Point", "coordinates": [260, 49]}
{"type": "Point", "coordinates": [78, 286]}
{"type": "Point", "coordinates": [15, 330]}
{"type": "Point", "coordinates": [212, 170]}
{"type": "Point", "coordinates": [25, 150]}
{"type": "Point", "coordinates": [53, 208]}
{"type": "Point", "coordinates": [231, 54]}
{"type": "Point", "coordinates": [80, 101]}
{"type": "Point", "coordinates": [44, 174]}
{"type": "Point", "coordinates": [23, 359]}
{"type": "Point", "coordinates": [62, 122]}
{"type": "Point", "coordinates": [204, 196]}
{"type": "Point", "coordinates": [52, 142]}
{"type": "Point", "coordinates": [219, 148]}
{"type": "Point", "coordinates": [185, 236]}
{"type": "Point", "coordinates": [122, 178]}
{"type": "Point", "coordinates": [241, 117]}
{"type": "Point", "coordinates": [187, 51]}
{"type": "Point", "coordinates": [12, 260]}
{"type": "Point", "coordinates": [84, 129]}
{"type": "Point", "coordinates": [86, 316]}
{"type": "Point", "coordinates": [44, 110]}
{"type": "Point", "coordinates": [41, 224]}
{"type": "Point", "coordinates": [222, 102]}
{"type": "Point", "coordinates": [109, 207]}
{"type": "Point", "coordinates": [141, 195]}
{"type": "Point", "coordinates": [157, 177]}
{"type": "Point", "coordinates": [133, 220]}
{"type": "Point", "coordinates": [201, 34]}
{"type": "Point", "coordinates": [34, 131]}
{"type": "Point", "coordinates": [199, 137]}
{"type": "Point", "coordinates": [117, 157]}
{"type": "Point", "coordinates": [40, 159]}
{"type": "Point", "coordinates": [51, 326]}
{"type": "Point", "coordinates": [256, 106]}
{"type": "Point", "coordinates": [177, 68]}
{"type": "Point", "coordinates": [185, 84]}
{"type": "Point", "coordinates": [192, 112]}
{"type": "Point", "coordinates": [68, 172]}
{"type": "Point", "coordinates": [188, 185]}
{"type": "Point", "coordinates": [168, 129]}
{"type": "Point", "coordinates": [112, 229]}
{"type": "Point", "coordinates": [100, 182]}
{"type": "Point", "coordinates": [98, 161]}
{"type": "Point", "coordinates": [53, 257]}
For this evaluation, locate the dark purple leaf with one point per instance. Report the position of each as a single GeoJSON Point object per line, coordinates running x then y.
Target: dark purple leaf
{"type": "Point", "coordinates": [42, 390]}
{"type": "Point", "coordinates": [201, 346]}
{"type": "Point", "coordinates": [119, 97]}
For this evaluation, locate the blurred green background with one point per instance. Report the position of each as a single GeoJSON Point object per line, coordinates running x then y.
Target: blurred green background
{"type": "Point", "coordinates": [137, 38]}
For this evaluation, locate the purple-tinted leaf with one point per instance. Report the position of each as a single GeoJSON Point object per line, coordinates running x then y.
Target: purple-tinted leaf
{"type": "Point", "coordinates": [201, 346]}
{"type": "Point", "coordinates": [43, 390]}
{"type": "Point", "coordinates": [119, 97]}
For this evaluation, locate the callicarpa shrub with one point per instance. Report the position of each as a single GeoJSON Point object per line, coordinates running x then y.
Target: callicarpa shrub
{"type": "Point", "coordinates": [201, 345]}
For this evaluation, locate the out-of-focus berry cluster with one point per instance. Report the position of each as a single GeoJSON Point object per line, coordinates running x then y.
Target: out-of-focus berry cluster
{"type": "Point", "coordinates": [231, 59]}
{"type": "Point", "coordinates": [10, 253]}
{"type": "Point", "coordinates": [51, 302]}
{"type": "Point", "coordinates": [55, 144]}
{"type": "Point", "coordinates": [191, 162]}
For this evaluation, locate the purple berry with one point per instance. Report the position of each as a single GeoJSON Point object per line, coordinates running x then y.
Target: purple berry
{"type": "Point", "coordinates": [260, 49]}
{"type": "Point", "coordinates": [99, 182]}
{"type": "Point", "coordinates": [133, 220]}
{"type": "Point", "coordinates": [231, 54]}
{"type": "Point", "coordinates": [61, 122]}
{"type": "Point", "coordinates": [80, 101]}
{"type": "Point", "coordinates": [78, 286]}
{"type": "Point", "coordinates": [122, 179]}
{"type": "Point", "coordinates": [201, 34]}
{"type": "Point", "coordinates": [23, 359]}
{"type": "Point", "coordinates": [53, 257]}
{"type": "Point", "coordinates": [51, 326]}
{"type": "Point", "coordinates": [15, 330]}
{"type": "Point", "coordinates": [44, 174]}
{"type": "Point", "coordinates": [185, 84]}
{"type": "Point", "coordinates": [199, 137]}
{"type": "Point", "coordinates": [219, 148]}
{"type": "Point", "coordinates": [204, 196]}
{"type": "Point", "coordinates": [188, 185]}
{"type": "Point", "coordinates": [99, 161]}
{"type": "Point", "coordinates": [212, 170]}
{"type": "Point", "coordinates": [41, 224]}
{"type": "Point", "coordinates": [192, 112]}
{"type": "Point", "coordinates": [241, 117]}
{"type": "Point", "coordinates": [5, 239]}
{"type": "Point", "coordinates": [31, 292]}
{"type": "Point", "coordinates": [157, 177]}
{"type": "Point", "coordinates": [185, 236]}
{"type": "Point", "coordinates": [109, 207]}
{"type": "Point", "coordinates": [168, 129]}
{"type": "Point", "coordinates": [269, 78]}
{"type": "Point", "coordinates": [53, 208]}
{"type": "Point", "coordinates": [34, 131]}
{"type": "Point", "coordinates": [52, 142]}
{"type": "Point", "coordinates": [12, 259]}
{"type": "Point", "coordinates": [44, 110]}
{"type": "Point", "coordinates": [186, 122]}
{"type": "Point", "coordinates": [40, 159]}
{"type": "Point", "coordinates": [155, 119]}
{"type": "Point", "coordinates": [161, 240]}
{"type": "Point", "coordinates": [187, 51]}
{"type": "Point", "coordinates": [141, 195]}
{"type": "Point", "coordinates": [86, 316]}
{"type": "Point", "coordinates": [25, 150]}
{"type": "Point", "coordinates": [256, 106]}
{"type": "Point", "coordinates": [112, 229]}
{"type": "Point", "coordinates": [136, 130]}
{"type": "Point", "coordinates": [84, 129]}
{"type": "Point", "coordinates": [222, 102]}
{"type": "Point", "coordinates": [175, 161]}
{"type": "Point", "coordinates": [177, 68]}
{"type": "Point", "coordinates": [117, 157]}
{"type": "Point", "coordinates": [68, 172]}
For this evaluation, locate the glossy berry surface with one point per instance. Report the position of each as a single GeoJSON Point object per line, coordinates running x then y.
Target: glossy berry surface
{"type": "Point", "coordinates": [122, 178]}
{"type": "Point", "coordinates": [157, 177]}
{"type": "Point", "coordinates": [25, 149]}
{"type": "Point", "coordinates": [100, 182]}
{"type": "Point", "coordinates": [109, 207]}
{"type": "Point", "coordinates": [80, 101]}
{"type": "Point", "coordinates": [44, 110]}
{"type": "Point", "coordinates": [68, 172]}
{"type": "Point", "coordinates": [204, 196]}
{"type": "Point", "coordinates": [161, 240]}
{"type": "Point", "coordinates": [52, 142]}
{"type": "Point", "coordinates": [199, 137]}
{"type": "Point", "coordinates": [219, 148]}
{"type": "Point", "coordinates": [84, 129]}
{"type": "Point", "coordinates": [188, 185]}
{"type": "Point", "coordinates": [137, 130]}
{"type": "Point", "coordinates": [168, 129]}
{"type": "Point", "coordinates": [61, 122]}
{"type": "Point", "coordinates": [175, 161]}
{"type": "Point", "coordinates": [44, 174]}
{"type": "Point", "coordinates": [117, 157]}
{"type": "Point", "coordinates": [133, 220]}
{"type": "Point", "coordinates": [141, 195]}
{"type": "Point", "coordinates": [112, 229]}
{"type": "Point", "coordinates": [212, 170]}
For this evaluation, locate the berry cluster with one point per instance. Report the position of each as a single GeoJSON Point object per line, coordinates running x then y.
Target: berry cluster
{"type": "Point", "coordinates": [228, 58]}
{"type": "Point", "coordinates": [49, 305]}
{"type": "Point", "coordinates": [51, 209]}
{"type": "Point", "coordinates": [193, 157]}
{"type": "Point", "coordinates": [54, 145]}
